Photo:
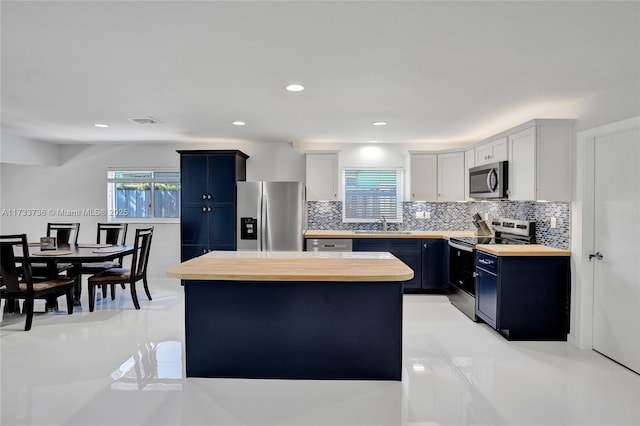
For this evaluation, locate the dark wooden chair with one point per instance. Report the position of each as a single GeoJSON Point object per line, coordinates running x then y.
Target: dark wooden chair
{"type": "Point", "coordinates": [108, 233]}
{"type": "Point", "coordinates": [137, 272]}
{"type": "Point", "coordinates": [17, 283]}
{"type": "Point", "coordinates": [66, 235]}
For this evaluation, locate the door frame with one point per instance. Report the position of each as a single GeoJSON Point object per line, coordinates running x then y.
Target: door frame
{"type": "Point", "coordinates": [582, 231]}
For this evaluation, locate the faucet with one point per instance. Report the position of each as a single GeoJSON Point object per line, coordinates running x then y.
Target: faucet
{"type": "Point", "coordinates": [384, 224]}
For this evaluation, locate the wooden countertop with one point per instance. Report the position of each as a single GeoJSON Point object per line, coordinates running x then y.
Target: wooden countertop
{"type": "Point", "coordinates": [405, 234]}
{"type": "Point", "coordinates": [521, 250]}
{"type": "Point", "coordinates": [293, 266]}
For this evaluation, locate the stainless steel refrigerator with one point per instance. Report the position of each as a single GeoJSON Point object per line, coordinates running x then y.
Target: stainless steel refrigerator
{"type": "Point", "coordinates": [270, 216]}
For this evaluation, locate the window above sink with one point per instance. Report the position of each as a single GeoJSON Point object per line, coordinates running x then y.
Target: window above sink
{"type": "Point", "coordinates": [372, 194]}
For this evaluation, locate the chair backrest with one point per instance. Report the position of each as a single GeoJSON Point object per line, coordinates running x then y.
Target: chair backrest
{"type": "Point", "coordinates": [112, 233]}
{"type": "Point", "coordinates": [65, 233]}
{"type": "Point", "coordinates": [8, 264]}
{"type": "Point", "coordinates": [141, 248]}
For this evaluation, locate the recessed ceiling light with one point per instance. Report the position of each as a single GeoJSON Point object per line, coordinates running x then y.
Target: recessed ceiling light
{"type": "Point", "coordinates": [372, 141]}
{"type": "Point", "coordinates": [295, 87]}
{"type": "Point", "coordinates": [100, 125]}
{"type": "Point", "coordinates": [238, 123]}
{"type": "Point", "coordinates": [379, 123]}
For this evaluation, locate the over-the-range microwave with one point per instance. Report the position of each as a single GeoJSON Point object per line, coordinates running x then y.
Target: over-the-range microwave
{"type": "Point", "coordinates": [489, 181]}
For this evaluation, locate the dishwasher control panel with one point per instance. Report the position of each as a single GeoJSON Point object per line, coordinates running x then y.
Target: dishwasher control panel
{"type": "Point", "coordinates": [329, 244]}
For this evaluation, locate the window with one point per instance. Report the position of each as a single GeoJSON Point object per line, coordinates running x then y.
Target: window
{"type": "Point", "coordinates": [143, 195]}
{"type": "Point", "coordinates": [370, 194]}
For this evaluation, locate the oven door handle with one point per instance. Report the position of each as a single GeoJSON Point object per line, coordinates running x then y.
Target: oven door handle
{"type": "Point", "coordinates": [461, 247]}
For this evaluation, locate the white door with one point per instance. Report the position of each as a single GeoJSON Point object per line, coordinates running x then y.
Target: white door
{"type": "Point", "coordinates": [616, 307]}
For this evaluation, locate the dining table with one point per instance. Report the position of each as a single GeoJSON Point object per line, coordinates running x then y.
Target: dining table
{"type": "Point", "coordinates": [75, 255]}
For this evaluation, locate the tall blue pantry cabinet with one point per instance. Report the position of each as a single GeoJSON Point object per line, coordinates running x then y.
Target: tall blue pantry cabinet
{"type": "Point", "coordinates": [208, 200]}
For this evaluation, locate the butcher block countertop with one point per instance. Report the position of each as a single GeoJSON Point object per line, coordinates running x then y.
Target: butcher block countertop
{"type": "Point", "coordinates": [390, 234]}
{"type": "Point", "coordinates": [521, 250]}
{"type": "Point", "coordinates": [293, 266]}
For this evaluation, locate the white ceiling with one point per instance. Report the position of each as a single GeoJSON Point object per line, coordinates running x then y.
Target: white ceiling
{"type": "Point", "coordinates": [437, 72]}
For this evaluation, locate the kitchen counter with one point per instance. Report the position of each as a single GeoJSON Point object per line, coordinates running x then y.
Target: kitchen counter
{"type": "Point", "coordinates": [521, 250]}
{"type": "Point", "coordinates": [293, 315]}
{"type": "Point", "coordinates": [293, 266]}
{"type": "Point", "coordinates": [392, 234]}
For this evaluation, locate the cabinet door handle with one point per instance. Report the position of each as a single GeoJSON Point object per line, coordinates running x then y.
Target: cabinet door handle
{"type": "Point", "coordinates": [475, 274]}
{"type": "Point", "coordinates": [204, 196]}
{"type": "Point", "coordinates": [485, 262]}
{"type": "Point", "coordinates": [204, 209]}
{"type": "Point", "coordinates": [208, 209]}
{"type": "Point", "coordinates": [209, 197]}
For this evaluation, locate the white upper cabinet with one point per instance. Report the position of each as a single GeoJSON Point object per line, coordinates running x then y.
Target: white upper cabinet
{"type": "Point", "coordinates": [540, 161]}
{"type": "Point", "coordinates": [492, 152]}
{"type": "Point", "coordinates": [451, 171]}
{"type": "Point", "coordinates": [322, 177]}
{"type": "Point", "coordinates": [424, 177]}
{"type": "Point", "coordinates": [469, 162]}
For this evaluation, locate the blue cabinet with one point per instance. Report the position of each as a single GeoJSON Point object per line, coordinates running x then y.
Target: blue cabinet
{"type": "Point", "coordinates": [424, 256]}
{"type": "Point", "coordinates": [487, 288]}
{"type": "Point", "coordinates": [524, 297]}
{"type": "Point", "coordinates": [405, 249]}
{"type": "Point", "coordinates": [208, 200]}
{"type": "Point", "coordinates": [433, 265]}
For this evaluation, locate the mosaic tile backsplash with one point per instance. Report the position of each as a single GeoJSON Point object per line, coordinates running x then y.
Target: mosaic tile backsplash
{"type": "Point", "coordinates": [456, 216]}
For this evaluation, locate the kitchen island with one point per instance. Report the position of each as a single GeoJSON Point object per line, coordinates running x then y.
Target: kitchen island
{"type": "Point", "coordinates": [293, 315]}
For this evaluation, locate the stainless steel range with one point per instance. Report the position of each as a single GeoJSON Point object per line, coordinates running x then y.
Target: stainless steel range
{"type": "Point", "coordinates": [462, 254]}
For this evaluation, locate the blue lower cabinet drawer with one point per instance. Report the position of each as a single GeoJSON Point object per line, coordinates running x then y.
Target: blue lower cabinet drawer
{"type": "Point", "coordinates": [370, 244]}
{"type": "Point", "coordinates": [487, 262]}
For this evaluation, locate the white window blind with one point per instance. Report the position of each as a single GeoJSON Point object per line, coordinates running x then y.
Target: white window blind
{"type": "Point", "coordinates": [370, 194]}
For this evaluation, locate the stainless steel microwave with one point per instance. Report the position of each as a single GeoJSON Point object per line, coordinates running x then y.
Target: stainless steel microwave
{"type": "Point", "coordinates": [489, 181]}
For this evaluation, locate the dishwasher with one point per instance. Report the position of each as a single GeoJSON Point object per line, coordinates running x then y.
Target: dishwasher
{"type": "Point", "coordinates": [329, 244]}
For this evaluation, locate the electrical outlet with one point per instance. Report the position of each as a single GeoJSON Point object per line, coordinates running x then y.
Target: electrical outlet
{"type": "Point", "coordinates": [427, 215]}
{"type": "Point", "coordinates": [420, 215]}
{"type": "Point", "coordinates": [554, 223]}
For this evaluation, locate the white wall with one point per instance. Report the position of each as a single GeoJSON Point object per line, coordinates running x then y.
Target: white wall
{"type": "Point", "coordinates": [80, 183]}
{"type": "Point", "coordinates": [17, 150]}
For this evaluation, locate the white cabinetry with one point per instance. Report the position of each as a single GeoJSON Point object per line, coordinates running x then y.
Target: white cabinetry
{"type": "Point", "coordinates": [469, 162]}
{"type": "Point", "coordinates": [541, 161]}
{"type": "Point", "coordinates": [491, 152]}
{"type": "Point", "coordinates": [424, 177]}
{"type": "Point", "coordinates": [322, 177]}
{"type": "Point", "coordinates": [451, 176]}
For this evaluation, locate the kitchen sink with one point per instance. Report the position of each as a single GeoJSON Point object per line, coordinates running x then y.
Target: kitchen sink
{"type": "Point", "coordinates": [364, 231]}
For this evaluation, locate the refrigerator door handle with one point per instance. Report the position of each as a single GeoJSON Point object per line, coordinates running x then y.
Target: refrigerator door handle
{"type": "Point", "coordinates": [264, 246]}
{"type": "Point", "coordinates": [260, 224]}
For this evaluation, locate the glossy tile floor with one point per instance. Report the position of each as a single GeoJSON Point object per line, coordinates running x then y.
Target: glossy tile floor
{"type": "Point", "coordinates": [118, 366]}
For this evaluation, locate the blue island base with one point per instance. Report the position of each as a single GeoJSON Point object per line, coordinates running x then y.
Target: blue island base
{"type": "Point", "coordinates": [294, 330]}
